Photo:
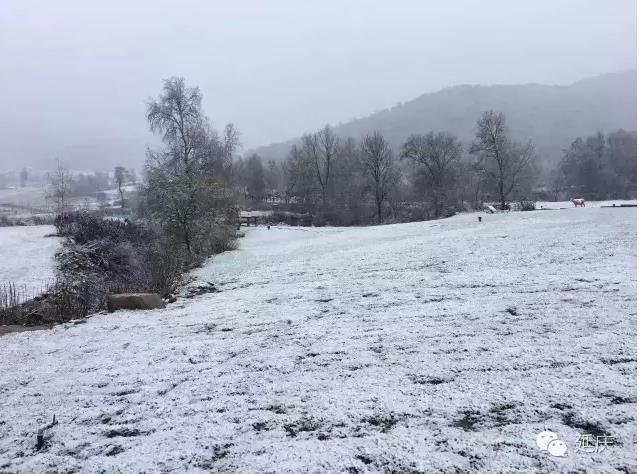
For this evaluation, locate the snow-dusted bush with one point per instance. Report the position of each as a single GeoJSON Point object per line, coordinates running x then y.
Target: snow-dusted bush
{"type": "Point", "coordinates": [527, 205]}
{"type": "Point", "coordinates": [103, 256]}
{"type": "Point", "coordinates": [58, 303]}
{"type": "Point", "coordinates": [84, 227]}
{"type": "Point", "coordinates": [24, 220]}
{"type": "Point", "coordinates": [9, 302]}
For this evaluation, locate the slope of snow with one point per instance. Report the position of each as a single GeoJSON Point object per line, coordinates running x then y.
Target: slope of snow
{"type": "Point", "coordinates": [26, 257]}
{"type": "Point", "coordinates": [424, 347]}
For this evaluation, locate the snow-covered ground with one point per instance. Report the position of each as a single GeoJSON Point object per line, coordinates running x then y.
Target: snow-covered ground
{"type": "Point", "coordinates": [29, 196]}
{"type": "Point", "coordinates": [569, 204]}
{"type": "Point", "coordinates": [423, 347]}
{"type": "Point", "coordinates": [26, 257]}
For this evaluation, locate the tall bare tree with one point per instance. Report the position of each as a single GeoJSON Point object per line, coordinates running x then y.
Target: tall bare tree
{"type": "Point", "coordinates": [438, 153]}
{"type": "Point", "coordinates": [177, 116]}
{"type": "Point", "coordinates": [378, 163]}
{"type": "Point", "coordinates": [120, 176]}
{"type": "Point", "coordinates": [503, 160]}
{"type": "Point", "coordinates": [59, 187]}
{"type": "Point", "coordinates": [254, 178]}
{"type": "Point", "coordinates": [321, 148]}
{"type": "Point", "coordinates": [273, 178]}
{"type": "Point", "coordinates": [24, 177]}
{"type": "Point", "coordinates": [299, 177]}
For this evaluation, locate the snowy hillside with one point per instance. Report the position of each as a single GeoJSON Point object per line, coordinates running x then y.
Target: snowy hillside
{"type": "Point", "coordinates": [434, 346]}
{"type": "Point", "coordinates": [26, 257]}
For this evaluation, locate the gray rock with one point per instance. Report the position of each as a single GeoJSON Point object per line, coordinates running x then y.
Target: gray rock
{"type": "Point", "coordinates": [134, 301]}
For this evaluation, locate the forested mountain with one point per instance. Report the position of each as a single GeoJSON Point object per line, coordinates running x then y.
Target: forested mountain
{"type": "Point", "coordinates": [552, 116]}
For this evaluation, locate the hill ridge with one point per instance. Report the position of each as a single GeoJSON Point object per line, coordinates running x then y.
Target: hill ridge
{"type": "Point", "coordinates": [552, 115]}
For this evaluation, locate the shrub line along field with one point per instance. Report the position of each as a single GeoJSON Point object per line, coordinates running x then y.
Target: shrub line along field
{"type": "Point", "coordinates": [433, 346]}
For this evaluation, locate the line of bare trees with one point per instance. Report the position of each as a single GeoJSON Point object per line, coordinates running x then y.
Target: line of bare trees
{"type": "Point", "coordinates": [344, 182]}
{"type": "Point", "coordinates": [64, 187]}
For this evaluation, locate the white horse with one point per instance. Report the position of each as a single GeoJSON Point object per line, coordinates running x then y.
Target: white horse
{"type": "Point", "coordinates": [579, 202]}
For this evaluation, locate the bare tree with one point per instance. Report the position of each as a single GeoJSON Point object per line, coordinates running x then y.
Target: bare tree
{"type": "Point", "coordinates": [59, 187]}
{"type": "Point", "coordinates": [557, 184]}
{"type": "Point", "coordinates": [230, 142]}
{"type": "Point", "coordinates": [321, 148]}
{"type": "Point", "coordinates": [120, 175]}
{"type": "Point", "coordinates": [254, 178]}
{"type": "Point", "coordinates": [177, 116]}
{"type": "Point", "coordinates": [437, 152]}
{"type": "Point", "coordinates": [299, 177]}
{"type": "Point", "coordinates": [24, 177]}
{"type": "Point", "coordinates": [218, 154]}
{"type": "Point", "coordinates": [273, 178]}
{"type": "Point", "coordinates": [504, 161]}
{"type": "Point", "coordinates": [379, 165]}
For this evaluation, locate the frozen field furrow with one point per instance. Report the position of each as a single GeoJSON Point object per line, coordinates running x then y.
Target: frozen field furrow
{"type": "Point", "coordinates": [437, 346]}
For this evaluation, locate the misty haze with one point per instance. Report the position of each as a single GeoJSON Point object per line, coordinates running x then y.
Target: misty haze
{"type": "Point", "coordinates": [328, 236]}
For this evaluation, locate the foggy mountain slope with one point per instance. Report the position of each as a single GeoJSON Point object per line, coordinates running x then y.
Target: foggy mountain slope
{"type": "Point", "coordinates": [552, 116]}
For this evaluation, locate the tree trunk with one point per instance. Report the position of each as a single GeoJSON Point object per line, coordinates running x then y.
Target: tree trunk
{"type": "Point", "coordinates": [187, 237]}
{"type": "Point", "coordinates": [437, 204]}
{"type": "Point", "coordinates": [379, 202]}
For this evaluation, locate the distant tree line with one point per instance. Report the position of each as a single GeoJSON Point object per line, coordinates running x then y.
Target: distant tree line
{"type": "Point", "coordinates": [194, 184]}
{"type": "Point", "coordinates": [341, 181]}
{"type": "Point", "coordinates": [599, 167]}
{"type": "Point", "coordinates": [64, 186]}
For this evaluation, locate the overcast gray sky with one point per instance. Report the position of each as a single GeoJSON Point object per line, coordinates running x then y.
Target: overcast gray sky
{"type": "Point", "coordinates": [75, 74]}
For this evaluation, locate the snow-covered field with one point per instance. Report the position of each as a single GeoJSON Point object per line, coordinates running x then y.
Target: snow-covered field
{"type": "Point", "coordinates": [30, 196]}
{"type": "Point", "coordinates": [569, 204]}
{"type": "Point", "coordinates": [424, 347]}
{"type": "Point", "coordinates": [26, 257]}
{"type": "Point", "coordinates": [30, 200]}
